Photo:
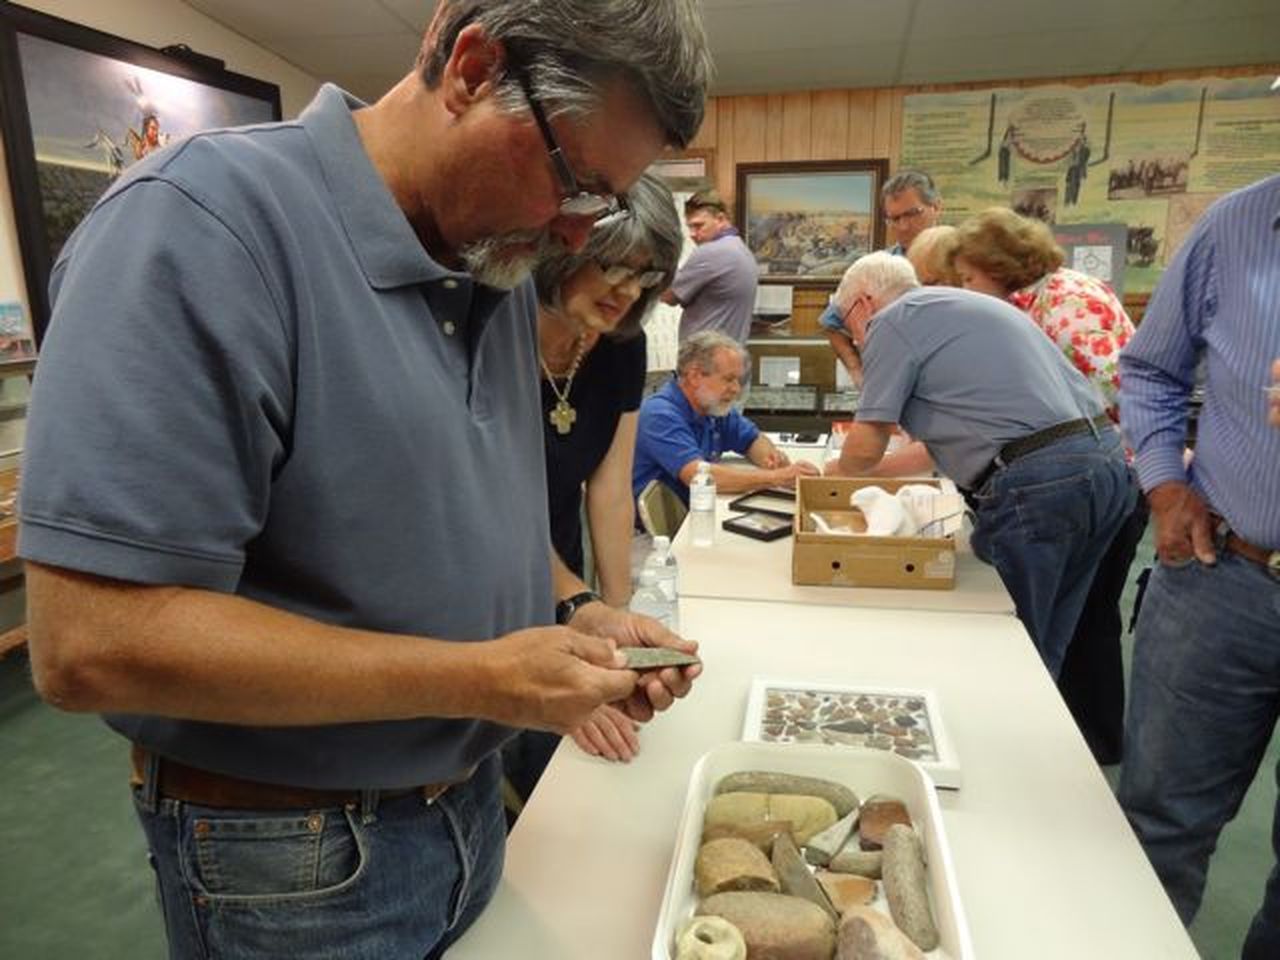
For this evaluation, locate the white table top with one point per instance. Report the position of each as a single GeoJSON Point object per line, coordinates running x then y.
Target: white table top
{"type": "Point", "coordinates": [739, 568]}
{"type": "Point", "coordinates": [1046, 864]}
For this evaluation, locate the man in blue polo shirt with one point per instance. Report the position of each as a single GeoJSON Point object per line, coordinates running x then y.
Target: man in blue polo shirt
{"type": "Point", "coordinates": [283, 510]}
{"type": "Point", "coordinates": [692, 419]}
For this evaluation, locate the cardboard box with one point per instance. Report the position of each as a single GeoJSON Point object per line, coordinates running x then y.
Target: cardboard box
{"type": "Point", "coordinates": [842, 560]}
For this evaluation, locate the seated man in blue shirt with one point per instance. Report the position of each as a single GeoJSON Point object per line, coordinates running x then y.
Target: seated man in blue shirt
{"type": "Point", "coordinates": [692, 418]}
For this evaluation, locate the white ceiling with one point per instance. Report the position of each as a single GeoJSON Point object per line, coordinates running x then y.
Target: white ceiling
{"type": "Point", "coordinates": [775, 45]}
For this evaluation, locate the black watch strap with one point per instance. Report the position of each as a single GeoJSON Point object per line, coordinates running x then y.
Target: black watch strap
{"type": "Point", "coordinates": [567, 607]}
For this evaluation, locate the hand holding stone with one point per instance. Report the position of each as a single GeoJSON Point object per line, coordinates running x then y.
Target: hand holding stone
{"type": "Point", "coordinates": [551, 678]}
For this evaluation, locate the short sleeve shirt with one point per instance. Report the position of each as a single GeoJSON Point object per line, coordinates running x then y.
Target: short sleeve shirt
{"type": "Point", "coordinates": [716, 287]}
{"type": "Point", "coordinates": [256, 382]}
{"type": "Point", "coordinates": [965, 373]}
{"type": "Point", "coordinates": [671, 434]}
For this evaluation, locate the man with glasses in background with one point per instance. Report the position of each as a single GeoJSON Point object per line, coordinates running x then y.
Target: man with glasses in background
{"type": "Point", "coordinates": [692, 419]}
{"type": "Point", "coordinates": [296, 548]}
{"type": "Point", "coordinates": [910, 204]}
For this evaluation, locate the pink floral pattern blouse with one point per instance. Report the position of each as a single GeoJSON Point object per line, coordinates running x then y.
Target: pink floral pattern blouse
{"type": "Point", "coordinates": [1085, 318]}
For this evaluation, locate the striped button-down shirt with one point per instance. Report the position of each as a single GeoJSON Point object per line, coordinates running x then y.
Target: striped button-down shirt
{"type": "Point", "coordinates": [1217, 303]}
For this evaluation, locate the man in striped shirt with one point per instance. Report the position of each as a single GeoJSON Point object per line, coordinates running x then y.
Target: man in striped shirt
{"type": "Point", "coordinates": [1206, 670]}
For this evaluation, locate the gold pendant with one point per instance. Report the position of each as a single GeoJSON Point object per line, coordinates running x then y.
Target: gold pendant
{"type": "Point", "coordinates": [562, 416]}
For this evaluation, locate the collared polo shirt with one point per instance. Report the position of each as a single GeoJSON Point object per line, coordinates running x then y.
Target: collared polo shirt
{"type": "Point", "coordinates": [966, 373]}
{"type": "Point", "coordinates": [670, 434]}
{"type": "Point", "coordinates": [257, 382]}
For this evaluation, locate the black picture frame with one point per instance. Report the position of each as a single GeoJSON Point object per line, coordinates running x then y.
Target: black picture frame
{"type": "Point", "coordinates": [60, 79]}
{"type": "Point", "coordinates": [777, 501]}
{"type": "Point", "coordinates": [835, 200]}
{"type": "Point", "coordinates": [760, 526]}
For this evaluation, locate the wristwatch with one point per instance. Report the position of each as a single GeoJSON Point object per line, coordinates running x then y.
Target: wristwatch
{"type": "Point", "coordinates": [567, 607]}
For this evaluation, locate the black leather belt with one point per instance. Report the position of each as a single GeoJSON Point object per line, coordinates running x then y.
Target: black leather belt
{"type": "Point", "coordinates": [1014, 449]}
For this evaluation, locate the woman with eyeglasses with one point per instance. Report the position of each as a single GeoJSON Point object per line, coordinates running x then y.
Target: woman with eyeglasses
{"type": "Point", "coordinates": [590, 308]}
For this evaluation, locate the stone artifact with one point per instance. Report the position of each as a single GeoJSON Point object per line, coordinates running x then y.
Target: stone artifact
{"type": "Point", "coordinates": [808, 815]}
{"type": "Point", "coordinates": [906, 886]}
{"type": "Point", "coordinates": [732, 864]}
{"type": "Point", "coordinates": [710, 938]}
{"type": "Point", "coordinates": [826, 844]}
{"type": "Point", "coordinates": [776, 926]}
{"type": "Point", "coordinates": [839, 796]}
{"type": "Point", "coordinates": [853, 859]}
{"type": "Point", "coordinates": [867, 934]}
{"type": "Point", "coordinates": [882, 720]}
{"type": "Point", "coordinates": [795, 878]}
{"type": "Point", "coordinates": [878, 814]}
{"type": "Point", "coordinates": [845, 890]}
{"type": "Point", "coordinates": [761, 832]}
{"type": "Point", "coordinates": [654, 658]}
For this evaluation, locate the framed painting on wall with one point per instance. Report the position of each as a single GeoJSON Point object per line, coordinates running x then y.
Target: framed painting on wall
{"type": "Point", "coordinates": [79, 107]}
{"type": "Point", "coordinates": [806, 221]}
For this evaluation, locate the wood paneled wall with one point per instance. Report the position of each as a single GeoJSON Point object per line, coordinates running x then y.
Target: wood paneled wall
{"type": "Point", "coordinates": [857, 124]}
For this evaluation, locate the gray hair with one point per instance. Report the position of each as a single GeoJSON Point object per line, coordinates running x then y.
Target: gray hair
{"type": "Point", "coordinates": [571, 49]}
{"type": "Point", "coordinates": [701, 348]}
{"type": "Point", "coordinates": [916, 180]}
{"type": "Point", "coordinates": [883, 275]}
{"type": "Point", "coordinates": [652, 228]}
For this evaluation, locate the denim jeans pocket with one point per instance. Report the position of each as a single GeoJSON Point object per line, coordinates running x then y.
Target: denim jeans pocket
{"type": "Point", "coordinates": [1055, 508]}
{"type": "Point", "coordinates": [292, 856]}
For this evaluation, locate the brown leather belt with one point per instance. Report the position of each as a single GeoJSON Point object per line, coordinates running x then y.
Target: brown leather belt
{"type": "Point", "coordinates": [1268, 559]}
{"type": "Point", "coordinates": [204, 788]}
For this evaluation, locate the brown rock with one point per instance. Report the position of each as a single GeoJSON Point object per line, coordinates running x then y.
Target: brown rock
{"type": "Point", "coordinates": [764, 781]}
{"type": "Point", "coordinates": [761, 833]}
{"type": "Point", "coordinates": [906, 886]}
{"type": "Point", "coordinates": [846, 890]}
{"type": "Point", "coordinates": [853, 859]}
{"type": "Point", "coordinates": [878, 814]}
{"type": "Point", "coordinates": [776, 926]}
{"type": "Point", "coordinates": [731, 863]}
{"type": "Point", "coordinates": [867, 934]}
{"type": "Point", "coordinates": [794, 876]}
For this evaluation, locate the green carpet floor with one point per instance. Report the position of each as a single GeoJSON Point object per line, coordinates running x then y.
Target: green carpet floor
{"type": "Point", "coordinates": [74, 881]}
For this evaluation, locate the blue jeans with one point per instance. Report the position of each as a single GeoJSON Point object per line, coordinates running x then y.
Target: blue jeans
{"type": "Point", "coordinates": [1203, 702]}
{"type": "Point", "coordinates": [397, 880]}
{"type": "Point", "coordinates": [1045, 522]}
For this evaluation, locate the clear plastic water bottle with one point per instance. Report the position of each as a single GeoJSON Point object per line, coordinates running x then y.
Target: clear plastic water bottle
{"type": "Point", "coordinates": [662, 561]}
{"type": "Point", "coordinates": [702, 506]}
{"type": "Point", "coordinates": [651, 600]}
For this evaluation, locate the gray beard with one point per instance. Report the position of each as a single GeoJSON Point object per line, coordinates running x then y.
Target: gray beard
{"type": "Point", "coordinates": [490, 263]}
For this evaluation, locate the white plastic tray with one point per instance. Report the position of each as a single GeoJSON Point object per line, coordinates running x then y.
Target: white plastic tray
{"type": "Point", "coordinates": [866, 772]}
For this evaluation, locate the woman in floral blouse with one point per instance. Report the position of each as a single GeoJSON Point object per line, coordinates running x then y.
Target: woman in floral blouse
{"type": "Point", "coordinates": [1015, 258]}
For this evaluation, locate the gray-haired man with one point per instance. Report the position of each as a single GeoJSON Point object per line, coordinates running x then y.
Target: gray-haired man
{"type": "Point", "coordinates": [1001, 412]}
{"type": "Point", "coordinates": [297, 547]}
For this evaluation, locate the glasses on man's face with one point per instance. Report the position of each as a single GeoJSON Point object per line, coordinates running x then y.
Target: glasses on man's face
{"type": "Point", "coordinates": [574, 201]}
{"type": "Point", "coordinates": [616, 274]}
{"type": "Point", "coordinates": [905, 215]}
